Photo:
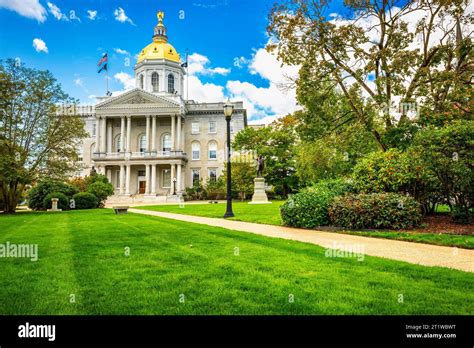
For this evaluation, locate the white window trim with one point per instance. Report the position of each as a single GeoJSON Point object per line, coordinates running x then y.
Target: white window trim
{"type": "Point", "coordinates": [198, 128]}
{"type": "Point", "coordinates": [209, 127]}
{"type": "Point", "coordinates": [209, 173]}
{"type": "Point", "coordinates": [192, 175]}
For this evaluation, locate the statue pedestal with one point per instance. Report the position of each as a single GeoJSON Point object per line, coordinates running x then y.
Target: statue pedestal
{"type": "Point", "coordinates": [54, 205]}
{"type": "Point", "coordinates": [259, 195]}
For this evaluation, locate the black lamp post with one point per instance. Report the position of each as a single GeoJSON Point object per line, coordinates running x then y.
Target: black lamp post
{"type": "Point", "coordinates": [228, 109]}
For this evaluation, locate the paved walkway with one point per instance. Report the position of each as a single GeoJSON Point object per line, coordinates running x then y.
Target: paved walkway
{"type": "Point", "coordinates": [422, 254]}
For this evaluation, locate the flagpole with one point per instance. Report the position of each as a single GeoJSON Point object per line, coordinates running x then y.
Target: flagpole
{"type": "Point", "coordinates": [187, 75]}
{"type": "Point", "coordinates": [107, 75]}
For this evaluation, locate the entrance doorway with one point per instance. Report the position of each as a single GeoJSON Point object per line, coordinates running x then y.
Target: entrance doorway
{"type": "Point", "coordinates": [141, 186]}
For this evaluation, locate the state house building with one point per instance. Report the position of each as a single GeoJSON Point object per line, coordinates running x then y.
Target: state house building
{"type": "Point", "coordinates": [149, 141]}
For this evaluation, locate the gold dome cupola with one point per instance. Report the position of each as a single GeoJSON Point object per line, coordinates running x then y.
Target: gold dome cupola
{"type": "Point", "coordinates": [159, 48]}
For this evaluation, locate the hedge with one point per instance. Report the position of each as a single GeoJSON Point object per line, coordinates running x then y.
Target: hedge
{"type": "Point", "coordinates": [85, 200]}
{"type": "Point", "coordinates": [375, 210]}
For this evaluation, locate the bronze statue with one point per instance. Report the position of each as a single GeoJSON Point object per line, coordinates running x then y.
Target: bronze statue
{"type": "Point", "coordinates": [260, 166]}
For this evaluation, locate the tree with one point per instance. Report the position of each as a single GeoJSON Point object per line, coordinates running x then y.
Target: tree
{"type": "Point", "coordinates": [35, 141]}
{"type": "Point", "coordinates": [277, 143]}
{"type": "Point", "coordinates": [243, 174]}
{"type": "Point", "coordinates": [374, 58]}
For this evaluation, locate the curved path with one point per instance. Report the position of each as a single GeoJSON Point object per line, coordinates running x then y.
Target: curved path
{"type": "Point", "coordinates": [417, 253]}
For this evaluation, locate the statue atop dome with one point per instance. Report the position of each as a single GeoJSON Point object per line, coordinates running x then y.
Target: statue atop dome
{"type": "Point", "coordinates": [160, 30]}
{"type": "Point", "coordinates": [160, 15]}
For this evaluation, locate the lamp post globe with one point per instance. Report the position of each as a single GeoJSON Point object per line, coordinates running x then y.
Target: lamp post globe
{"type": "Point", "coordinates": [228, 110]}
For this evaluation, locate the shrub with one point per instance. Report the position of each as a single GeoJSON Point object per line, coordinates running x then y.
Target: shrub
{"type": "Point", "coordinates": [375, 210]}
{"type": "Point", "coordinates": [398, 171]}
{"type": "Point", "coordinates": [309, 208]}
{"type": "Point", "coordinates": [216, 189]}
{"type": "Point", "coordinates": [85, 200]}
{"type": "Point", "coordinates": [79, 183]}
{"type": "Point", "coordinates": [37, 194]}
{"type": "Point", "coordinates": [101, 190]}
{"type": "Point", "coordinates": [63, 202]}
{"type": "Point", "coordinates": [449, 153]}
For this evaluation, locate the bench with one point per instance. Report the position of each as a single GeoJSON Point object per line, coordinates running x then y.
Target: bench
{"type": "Point", "coordinates": [120, 209]}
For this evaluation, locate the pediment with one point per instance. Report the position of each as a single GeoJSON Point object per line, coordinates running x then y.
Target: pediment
{"type": "Point", "coordinates": [137, 98]}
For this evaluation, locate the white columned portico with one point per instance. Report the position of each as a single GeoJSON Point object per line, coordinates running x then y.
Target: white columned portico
{"type": "Point", "coordinates": [153, 134]}
{"type": "Point", "coordinates": [97, 135]}
{"type": "Point", "coordinates": [173, 131]}
{"type": "Point", "coordinates": [109, 136]}
{"type": "Point", "coordinates": [147, 135]}
{"type": "Point", "coordinates": [127, 179]}
{"type": "Point", "coordinates": [122, 134]}
{"type": "Point", "coordinates": [147, 179]}
{"type": "Point", "coordinates": [121, 177]}
{"type": "Point", "coordinates": [109, 174]}
{"type": "Point", "coordinates": [129, 130]}
{"type": "Point", "coordinates": [153, 179]}
{"type": "Point", "coordinates": [178, 179]}
{"type": "Point", "coordinates": [103, 134]}
{"type": "Point", "coordinates": [178, 133]}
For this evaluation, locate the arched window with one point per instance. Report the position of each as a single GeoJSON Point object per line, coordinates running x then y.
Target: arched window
{"type": "Point", "coordinates": [142, 143]}
{"type": "Point", "coordinates": [166, 142]}
{"type": "Point", "coordinates": [117, 143]}
{"type": "Point", "coordinates": [141, 81]}
{"type": "Point", "coordinates": [196, 150]}
{"type": "Point", "coordinates": [155, 80]}
{"type": "Point", "coordinates": [212, 149]}
{"type": "Point", "coordinates": [170, 83]}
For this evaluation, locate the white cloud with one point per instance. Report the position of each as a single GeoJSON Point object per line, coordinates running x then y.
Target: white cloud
{"type": "Point", "coordinates": [239, 62]}
{"type": "Point", "coordinates": [92, 14]}
{"type": "Point", "coordinates": [27, 8]}
{"type": "Point", "coordinates": [265, 104]}
{"type": "Point", "coordinates": [121, 51]}
{"type": "Point", "coordinates": [198, 64]}
{"type": "Point", "coordinates": [120, 16]}
{"type": "Point", "coordinates": [204, 92]}
{"type": "Point", "coordinates": [40, 45]}
{"type": "Point", "coordinates": [126, 80]}
{"type": "Point", "coordinates": [79, 82]}
{"type": "Point", "coordinates": [56, 12]}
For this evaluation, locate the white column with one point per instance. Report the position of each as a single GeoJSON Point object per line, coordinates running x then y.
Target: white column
{"type": "Point", "coordinates": [103, 134]}
{"type": "Point", "coordinates": [153, 133]}
{"type": "Point", "coordinates": [147, 179]}
{"type": "Point", "coordinates": [122, 134]}
{"type": "Point", "coordinates": [109, 136]}
{"type": "Point", "coordinates": [121, 177]}
{"type": "Point", "coordinates": [148, 134]}
{"type": "Point", "coordinates": [182, 138]}
{"type": "Point", "coordinates": [129, 130]}
{"type": "Point", "coordinates": [178, 179]}
{"type": "Point", "coordinates": [153, 179]}
{"type": "Point", "coordinates": [173, 131]}
{"type": "Point", "coordinates": [127, 179]}
{"type": "Point", "coordinates": [173, 171]}
{"type": "Point", "coordinates": [97, 135]}
{"type": "Point", "coordinates": [109, 174]}
{"type": "Point", "coordinates": [178, 134]}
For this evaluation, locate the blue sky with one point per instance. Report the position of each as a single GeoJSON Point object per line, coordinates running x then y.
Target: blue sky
{"type": "Point", "coordinates": [216, 32]}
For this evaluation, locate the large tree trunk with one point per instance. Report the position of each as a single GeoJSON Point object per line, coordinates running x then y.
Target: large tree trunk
{"type": "Point", "coordinates": [11, 194]}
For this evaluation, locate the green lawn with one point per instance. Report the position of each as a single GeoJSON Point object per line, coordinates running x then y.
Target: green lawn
{"type": "Point", "coordinates": [270, 214]}
{"type": "Point", "coordinates": [82, 253]}
{"type": "Point", "coordinates": [259, 213]}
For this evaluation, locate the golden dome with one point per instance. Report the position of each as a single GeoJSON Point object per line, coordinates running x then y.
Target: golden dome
{"type": "Point", "coordinates": [159, 48]}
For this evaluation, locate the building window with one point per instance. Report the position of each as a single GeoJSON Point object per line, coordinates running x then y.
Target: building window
{"type": "Point", "coordinates": [212, 174]}
{"type": "Point", "coordinates": [212, 150]}
{"type": "Point", "coordinates": [142, 143]}
{"type": "Point", "coordinates": [94, 129]}
{"type": "Point", "coordinates": [170, 83]}
{"type": "Point", "coordinates": [212, 126]}
{"type": "Point", "coordinates": [118, 144]}
{"type": "Point", "coordinates": [196, 176]}
{"type": "Point", "coordinates": [196, 150]}
{"type": "Point", "coordinates": [141, 173]}
{"type": "Point", "coordinates": [155, 81]}
{"type": "Point", "coordinates": [166, 142]}
{"type": "Point", "coordinates": [141, 81]}
{"type": "Point", "coordinates": [166, 178]}
{"type": "Point", "coordinates": [195, 128]}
